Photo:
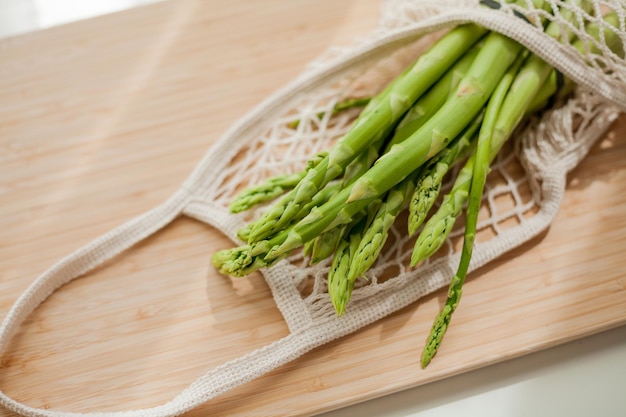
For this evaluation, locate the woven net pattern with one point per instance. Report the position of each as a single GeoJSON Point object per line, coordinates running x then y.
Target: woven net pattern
{"type": "Point", "coordinates": [602, 62]}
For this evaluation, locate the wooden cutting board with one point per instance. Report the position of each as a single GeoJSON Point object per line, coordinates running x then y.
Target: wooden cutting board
{"type": "Point", "coordinates": [103, 119]}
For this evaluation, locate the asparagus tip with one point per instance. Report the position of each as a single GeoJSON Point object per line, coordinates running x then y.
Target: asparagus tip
{"type": "Point", "coordinates": [361, 191]}
{"type": "Point", "coordinates": [244, 233]}
{"type": "Point", "coordinates": [293, 241]}
{"type": "Point", "coordinates": [416, 257]}
{"type": "Point", "coordinates": [435, 337]}
{"type": "Point", "coordinates": [339, 300]}
{"type": "Point", "coordinates": [220, 257]}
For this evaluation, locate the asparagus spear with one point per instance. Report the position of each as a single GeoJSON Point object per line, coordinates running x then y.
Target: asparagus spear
{"type": "Point", "coordinates": [471, 95]}
{"type": "Point", "coordinates": [434, 98]}
{"type": "Point", "coordinates": [344, 105]}
{"type": "Point", "coordinates": [420, 112]}
{"type": "Point", "coordinates": [319, 199]}
{"type": "Point", "coordinates": [339, 288]}
{"type": "Point", "coordinates": [243, 260]}
{"type": "Point", "coordinates": [427, 69]}
{"type": "Point", "coordinates": [270, 188]}
{"type": "Point", "coordinates": [369, 240]}
{"type": "Point", "coordinates": [479, 175]}
{"type": "Point", "coordinates": [275, 186]}
{"type": "Point", "coordinates": [325, 244]}
{"type": "Point", "coordinates": [285, 240]}
{"type": "Point", "coordinates": [506, 108]}
{"type": "Point", "coordinates": [375, 235]}
{"type": "Point", "coordinates": [429, 183]}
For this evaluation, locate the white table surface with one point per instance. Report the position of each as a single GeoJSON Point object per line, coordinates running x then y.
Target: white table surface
{"type": "Point", "coordinates": [583, 378]}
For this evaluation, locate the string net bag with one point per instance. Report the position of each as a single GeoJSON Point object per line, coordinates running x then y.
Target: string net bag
{"type": "Point", "coordinates": [522, 195]}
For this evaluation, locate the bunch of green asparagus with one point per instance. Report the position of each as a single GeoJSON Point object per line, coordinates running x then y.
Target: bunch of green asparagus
{"type": "Point", "coordinates": [458, 103]}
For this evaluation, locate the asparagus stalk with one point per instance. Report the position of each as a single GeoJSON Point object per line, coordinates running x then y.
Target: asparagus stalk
{"type": "Point", "coordinates": [479, 175]}
{"type": "Point", "coordinates": [245, 259]}
{"type": "Point", "coordinates": [506, 108]}
{"type": "Point", "coordinates": [419, 113]}
{"type": "Point", "coordinates": [325, 244]}
{"type": "Point", "coordinates": [429, 183]}
{"type": "Point", "coordinates": [275, 186]}
{"type": "Point", "coordinates": [270, 188]}
{"type": "Point", "coordinates": [344, 105]}
{"type": "Point", "coordinates": [441, 223]}
{"type": "Point", "coordinates": [319, 199]}
{"type": "Point", "coordinates": [340, 288]}
{"type": "Point", "coordinates": [427, 69]}
{"type": "Point", "coordinates": [336, 207]}
{"type": "Point", "coordinates": [434, 98]}
{"type": "Point", "coordinates": [376, 234]}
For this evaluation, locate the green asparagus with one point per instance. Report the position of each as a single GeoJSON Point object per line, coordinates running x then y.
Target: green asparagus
{"type": "Point", "coordinates": [270, 188]}
{"type": "Point", "coordinates": [341, 106]}
{"type": "Point", "coordinates": [427, 69]}
{"type": "Point", "coordinates": [429, 183]}
{"type": "Point", "coordinates": [506, 108]}
{"type": "Point", "coordinates": [489, 66]}
{"type": "Point", "coordinates": [480, 170]}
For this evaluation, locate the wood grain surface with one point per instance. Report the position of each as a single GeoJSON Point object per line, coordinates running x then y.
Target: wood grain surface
{"type": "Point", "coordinates": [103, 119]}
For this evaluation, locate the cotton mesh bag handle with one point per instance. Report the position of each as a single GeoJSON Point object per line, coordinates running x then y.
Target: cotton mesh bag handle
{"type": "Point", "coordinates": [547, 149]}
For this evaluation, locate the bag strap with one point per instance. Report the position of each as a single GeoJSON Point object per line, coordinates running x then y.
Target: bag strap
{"type": "Point", "coordinates": [78, 263]}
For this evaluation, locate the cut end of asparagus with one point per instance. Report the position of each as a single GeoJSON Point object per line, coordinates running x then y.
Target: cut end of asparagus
{"type": "Point", "coordinates": [244, 232]}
